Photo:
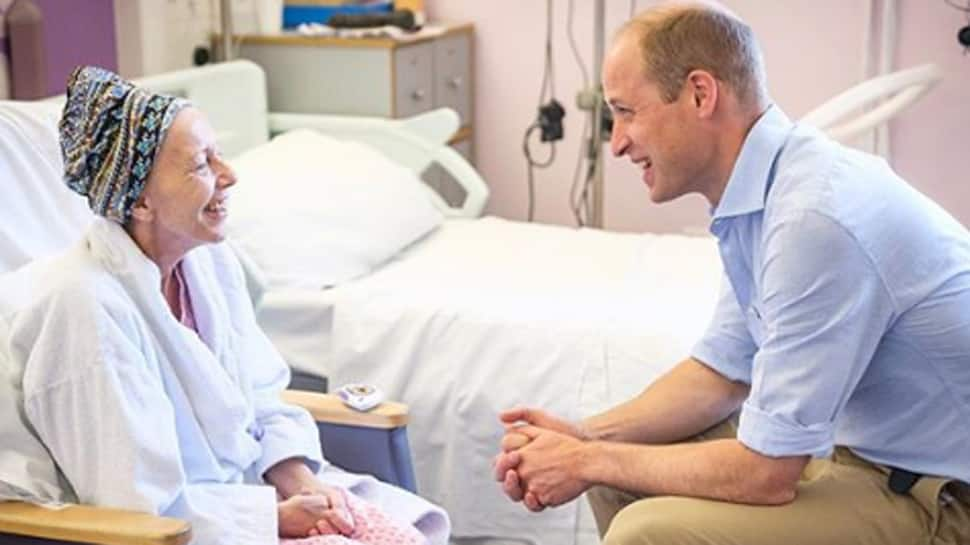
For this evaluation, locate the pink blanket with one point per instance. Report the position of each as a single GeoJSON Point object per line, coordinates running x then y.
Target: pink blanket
{"type": "Point", "coordinates": [371, 527]}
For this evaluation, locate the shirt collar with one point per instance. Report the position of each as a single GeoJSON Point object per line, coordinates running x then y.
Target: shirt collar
{"type": "Point", "coordinates": [748, 185]}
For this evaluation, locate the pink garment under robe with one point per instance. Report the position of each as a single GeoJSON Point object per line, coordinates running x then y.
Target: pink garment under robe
{"type": "Point", "coordinates": [371, 527]}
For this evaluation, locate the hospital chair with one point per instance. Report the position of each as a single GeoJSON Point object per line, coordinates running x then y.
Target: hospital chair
{"type": "Point", "coordinates": [378, 436]}
{"type": "Point", "coordinates": [40, 216]}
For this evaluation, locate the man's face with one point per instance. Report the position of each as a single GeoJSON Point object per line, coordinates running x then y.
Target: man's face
{"type": "Point", "coordinates": [662, 138]}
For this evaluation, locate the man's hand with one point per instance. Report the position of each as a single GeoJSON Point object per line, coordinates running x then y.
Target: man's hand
{"type": "Point", "coordinates": [507, 463]}
{"type": "Point", "coordinates": [540, 419]}
{"type": "Point", "coordinates": [550, 467]}
{"type": "Point", "coordinates": [303, 515]}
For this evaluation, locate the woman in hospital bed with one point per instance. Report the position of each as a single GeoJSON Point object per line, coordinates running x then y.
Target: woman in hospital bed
{"type": "Point", "coordinates": [146, 375]}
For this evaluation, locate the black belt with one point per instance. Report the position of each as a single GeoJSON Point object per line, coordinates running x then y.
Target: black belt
{"type": "Point", "coordinates": [901, 481]}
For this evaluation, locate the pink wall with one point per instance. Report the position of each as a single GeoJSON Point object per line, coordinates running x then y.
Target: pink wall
{"type": "Point", "coordinates": [813, 50]}
{"type": "Point", "coordinates": [930, 141]}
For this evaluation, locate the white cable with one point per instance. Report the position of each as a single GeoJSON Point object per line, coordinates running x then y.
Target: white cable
{"type": "Point", "coordinates": [548, 82]}
{"type": "Point", "coordinates": [868, 140]}
{"type": "Point", "coordinates": [886, 61]}
{"type": "Point", "coordinates": [571, 36]}
{"type": "Point", "coordinates": [577, 199]}
{"type": "Point", "coordinates": [548, 76]}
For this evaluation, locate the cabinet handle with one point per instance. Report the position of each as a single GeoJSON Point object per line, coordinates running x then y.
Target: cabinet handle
{"type": "Point", "coordinates": [417, 94]}
{"type": "Point", "coordinates": [454, 82]}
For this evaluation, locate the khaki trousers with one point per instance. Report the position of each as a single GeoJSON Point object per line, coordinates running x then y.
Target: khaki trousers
{"type": "Point", "coordinates": [844, 500]}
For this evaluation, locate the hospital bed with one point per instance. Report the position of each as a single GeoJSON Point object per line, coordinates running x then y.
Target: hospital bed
{"type": "Point", "coordinates": [479, 313]}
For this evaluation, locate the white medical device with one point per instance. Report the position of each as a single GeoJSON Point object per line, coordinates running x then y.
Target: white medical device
{"type": "Point", "coordinates": [362, 397]}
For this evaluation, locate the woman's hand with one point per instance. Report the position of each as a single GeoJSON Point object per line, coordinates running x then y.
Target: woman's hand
{"type": "Point", "coordinates": [309, 507]}
{"type": "Point", "coordinates": [291, 477]}
{"type": "Point", "coordinates": [318, 513]}
{"type": "Point", "coordinates": [299, 514]}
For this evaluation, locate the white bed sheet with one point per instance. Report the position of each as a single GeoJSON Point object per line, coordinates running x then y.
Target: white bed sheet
{"type": "Point", "coordinates": [485, 314]}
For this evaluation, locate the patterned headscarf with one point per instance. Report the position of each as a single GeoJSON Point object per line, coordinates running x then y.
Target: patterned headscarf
{"type": "Point", "coordinates": [110, 134]}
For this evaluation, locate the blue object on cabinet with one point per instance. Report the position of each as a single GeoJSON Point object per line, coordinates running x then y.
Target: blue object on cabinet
{"type": "Point", "coordinates": [295, 15]}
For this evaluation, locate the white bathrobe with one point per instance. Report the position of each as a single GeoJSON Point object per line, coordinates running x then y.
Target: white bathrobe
{"type": "Point", "coordinates": [140, 412]}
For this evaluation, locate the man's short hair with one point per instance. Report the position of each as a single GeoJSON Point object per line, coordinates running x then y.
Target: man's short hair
{"type": "Point", "coordinates": [675, 39]}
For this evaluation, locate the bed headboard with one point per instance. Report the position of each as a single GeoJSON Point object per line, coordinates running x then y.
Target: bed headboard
{"type": "Point", "coordinates": [232, 94]}
{"type": "Point", "coordinates": [845, 117]}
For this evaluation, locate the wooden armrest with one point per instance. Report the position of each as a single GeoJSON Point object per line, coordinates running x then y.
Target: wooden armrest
{"type": "Point", "coordinates": [329, 408]}
{"type": "Point", "coordinates": [86, 524]}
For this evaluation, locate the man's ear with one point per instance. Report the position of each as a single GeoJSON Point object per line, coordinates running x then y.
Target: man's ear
{"type": "Point", "coordinates": [703, 90]}
{"type": "Point", "coordinates": [142, 209]}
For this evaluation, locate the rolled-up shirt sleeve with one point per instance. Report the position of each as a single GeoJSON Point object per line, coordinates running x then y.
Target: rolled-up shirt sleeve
{"type": "Point", "coordinates": [823, 308]}
{"type": "Point", "coordinates": [727, 346]}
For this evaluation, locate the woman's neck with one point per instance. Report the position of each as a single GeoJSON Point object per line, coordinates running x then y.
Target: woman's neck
{"type": "Point", "coordinates": [164, 251]}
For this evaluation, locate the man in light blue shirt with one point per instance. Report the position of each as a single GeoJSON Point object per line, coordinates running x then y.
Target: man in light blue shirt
{"type": "Point", "coordinates": [841, 338]}
{"type": "Point", "coordinates": [846, 306]}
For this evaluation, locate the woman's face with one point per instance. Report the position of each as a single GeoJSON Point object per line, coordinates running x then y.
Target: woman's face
{"type": "Point", "coordinates": [186, 193]}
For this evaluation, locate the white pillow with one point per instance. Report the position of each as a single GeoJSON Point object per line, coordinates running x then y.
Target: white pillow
{"type": "Point", "coordinates": [312, 211]}
{"type": "Point", "coordinates": [40, 215]}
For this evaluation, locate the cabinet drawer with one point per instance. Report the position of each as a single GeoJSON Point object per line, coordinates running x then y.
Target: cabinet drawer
{"type": "Point", "coordinates": [413, 79]}
{"type": "Point", "coordinates": [311, 79]}
{"type": "Point", "coordinates": [453, 78]}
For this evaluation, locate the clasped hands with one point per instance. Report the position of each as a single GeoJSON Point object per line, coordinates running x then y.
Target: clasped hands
{"type": "Point", "coordinates": [315, 512]}
{"type": "Point", "coordinates": [306, 506]}
{"type": "Point", "coordinates": [542, 460]}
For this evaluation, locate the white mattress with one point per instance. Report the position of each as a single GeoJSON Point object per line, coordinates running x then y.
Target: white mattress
{"type": "Point", "coordinates": [485, 314]}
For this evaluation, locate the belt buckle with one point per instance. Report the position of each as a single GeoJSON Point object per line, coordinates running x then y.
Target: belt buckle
{"type": "Point", "coordinates": [902, 481]}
